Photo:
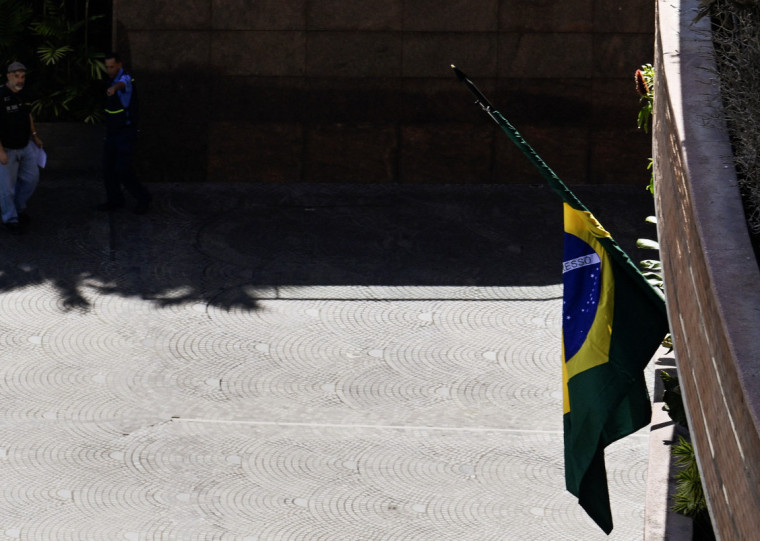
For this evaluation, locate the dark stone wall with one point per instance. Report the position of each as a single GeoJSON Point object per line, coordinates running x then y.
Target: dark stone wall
{"type": "Point", "coordinates": [342, 91]}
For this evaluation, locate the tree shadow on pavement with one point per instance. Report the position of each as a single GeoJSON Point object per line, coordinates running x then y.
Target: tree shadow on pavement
{"type": "Point", "coordinates": [229, 245]}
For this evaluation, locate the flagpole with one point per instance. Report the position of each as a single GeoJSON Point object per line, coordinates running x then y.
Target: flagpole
{"type": "Point", "coordinates": [558, 186]}
{"type": "Point", "coordinates": [546, 171]}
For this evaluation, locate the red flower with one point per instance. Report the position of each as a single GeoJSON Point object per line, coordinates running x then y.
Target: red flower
{"type": "Point", "coordinates": [641, 84]}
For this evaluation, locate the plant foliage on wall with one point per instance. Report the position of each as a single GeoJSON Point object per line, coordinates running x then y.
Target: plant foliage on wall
{"type": "Point", "coordinates": [63, 44]}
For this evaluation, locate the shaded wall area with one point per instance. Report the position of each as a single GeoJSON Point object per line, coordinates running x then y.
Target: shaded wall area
{"type": "Point", "coordinates": [341, 91]}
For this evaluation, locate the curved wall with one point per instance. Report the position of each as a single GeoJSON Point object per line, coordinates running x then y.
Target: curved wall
{"type": "Point", "coordinates": [711, 276]}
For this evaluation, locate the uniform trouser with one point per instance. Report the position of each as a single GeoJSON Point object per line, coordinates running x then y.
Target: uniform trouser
{"type": "Point", "coordinates": [18, 180]}
{"type": "Point", "coordinates": [117, 168]}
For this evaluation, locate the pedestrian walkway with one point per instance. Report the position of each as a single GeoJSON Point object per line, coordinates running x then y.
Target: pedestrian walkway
{"type": "Point", "coordinates": [321, 362]}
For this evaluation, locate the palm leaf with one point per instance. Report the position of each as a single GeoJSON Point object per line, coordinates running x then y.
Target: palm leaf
{"type": "Point", "coordinates": [647, 244]}
{"type": "Point", "coordinates": [14, 20]}
{"type": "Point", "coordinates": [50, 54]}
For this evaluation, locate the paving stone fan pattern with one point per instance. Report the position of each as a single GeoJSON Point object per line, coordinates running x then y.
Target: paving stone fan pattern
{"type": "Point", "coordinates": [290, 363]}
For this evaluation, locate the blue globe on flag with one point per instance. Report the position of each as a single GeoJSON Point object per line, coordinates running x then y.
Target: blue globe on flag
{"type": "Point", "coordinates": [581, 278]}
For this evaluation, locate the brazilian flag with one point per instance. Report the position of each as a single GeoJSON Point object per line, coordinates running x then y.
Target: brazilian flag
{"type": "Point", "coordinates": [613, 320]}
{"type": "Point", "coordinates": [612, 323]}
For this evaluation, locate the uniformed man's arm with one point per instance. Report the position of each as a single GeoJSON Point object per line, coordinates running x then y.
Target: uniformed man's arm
{"type": "Point", "coordinates": [121, 85]}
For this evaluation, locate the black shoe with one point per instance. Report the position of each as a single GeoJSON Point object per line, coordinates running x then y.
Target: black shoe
{"type": "Point", "coordinates": [14, 228]}
{"type": "Point", "coordinates": [24, 219]}
{"type": "Point", "coordinates": [108, 206]}
{"type": "Point", "coordinates": [142, 206]}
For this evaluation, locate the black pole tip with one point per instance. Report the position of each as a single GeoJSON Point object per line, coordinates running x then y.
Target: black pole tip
{"type": "Point", "coordinates": [461, 76]}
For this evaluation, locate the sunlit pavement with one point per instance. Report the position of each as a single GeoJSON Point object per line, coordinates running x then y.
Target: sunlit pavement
{"type": "Point", "coordinates": [296, 362]}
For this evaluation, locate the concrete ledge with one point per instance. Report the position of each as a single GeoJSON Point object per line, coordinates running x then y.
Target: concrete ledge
{"type": "Point", "coordinates": [711, 275]}
{"type": "Point", "coordinates": [660, 521]}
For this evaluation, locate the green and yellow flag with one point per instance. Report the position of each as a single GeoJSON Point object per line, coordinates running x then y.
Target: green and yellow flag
{"type": "Point", "coordinates": [612, 323]}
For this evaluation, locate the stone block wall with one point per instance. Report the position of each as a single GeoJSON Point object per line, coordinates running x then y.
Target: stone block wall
{"type": "Point", "coordinates": [712, 280]}
{"type": "Point", "coordinates": [342, 91]}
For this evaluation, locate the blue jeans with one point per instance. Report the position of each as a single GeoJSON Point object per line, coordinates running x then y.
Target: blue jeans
{"type": "Point", "coordinates": [18, 180]}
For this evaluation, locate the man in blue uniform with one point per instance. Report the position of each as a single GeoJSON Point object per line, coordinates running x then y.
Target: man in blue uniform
{"type": "Point", "coordinates": [121, 132]}
{"type": "Point", "coordinates": [19, 173]}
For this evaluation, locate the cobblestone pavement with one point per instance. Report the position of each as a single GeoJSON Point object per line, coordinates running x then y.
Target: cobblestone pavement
{"type": "Point", "coordinates": [295, 363]}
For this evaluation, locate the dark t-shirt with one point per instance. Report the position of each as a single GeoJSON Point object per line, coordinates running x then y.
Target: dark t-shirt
{"type": "Point", "coordinates": [14, 118]}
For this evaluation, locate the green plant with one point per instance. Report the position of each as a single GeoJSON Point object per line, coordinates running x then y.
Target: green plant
{"type": "Point", "coordinates": [673, 399]}
{"type": "Point", "coordinates": [650, 168]}
{"type": "Point", "coordinates": [58, 41]}
{"type": "Point", "coordinates": [644, 78]}
{"type": "Point", "coordinates": [652, 268]}
{"type": "Point", "coordinates": [70, 80]}
{"type": "Point", "coordinates": [690, 496]}
{"type": "Point", "coordinates": [17, 14]}
{"type": "Point", "coordinates": [689, 499]}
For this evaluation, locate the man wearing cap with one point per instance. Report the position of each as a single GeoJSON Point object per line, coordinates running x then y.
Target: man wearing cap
{"type": "Point", "coordinates": [19, 174]}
